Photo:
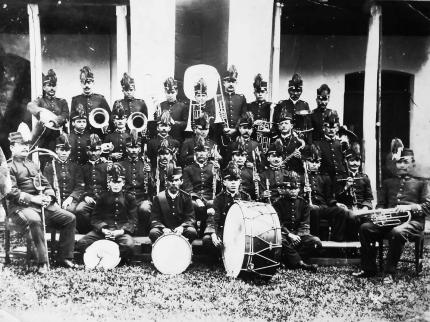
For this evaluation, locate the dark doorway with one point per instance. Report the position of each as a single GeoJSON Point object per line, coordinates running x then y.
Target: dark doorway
{"type": "Point", "coordinates": [396, 88]}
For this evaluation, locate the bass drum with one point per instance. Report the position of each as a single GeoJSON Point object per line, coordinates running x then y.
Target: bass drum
{"type": "Point", "coordinates": [102, 254]}
{"type": "Point", "coordinates": [171, 254]}
{"type": "Point", "coordinates": [252, 240]}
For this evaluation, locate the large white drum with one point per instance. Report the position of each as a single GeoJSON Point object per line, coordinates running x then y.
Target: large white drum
{"type": "Point", "coordinates": [102, 254]}
{"type": "Point", "coordinates": [252, 240]}
{"type": "Point", "coordinates": [171, 254]}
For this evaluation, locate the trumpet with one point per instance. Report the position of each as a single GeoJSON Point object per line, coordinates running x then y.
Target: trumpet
{"type": "Point", "coordinates": [99, 118]}
{"type": "Point", "coordinates": [137, 121]}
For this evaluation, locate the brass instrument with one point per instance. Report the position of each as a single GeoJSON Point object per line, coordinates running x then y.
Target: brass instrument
{"type": "Point", "coordinates": [220, 109]}
{"type": "Point", "coordinates": [385, 217]}
{"type": "Point", "coordinates": [263, 127]}
{"type": "Point", "coordinates": [99, 118]}
{"type": "Point", "coordinates": [302, 145]}
{"type": "Point", "coordinates": [137, 121]}
{"type": "Point", "coordinates": [307, 184]}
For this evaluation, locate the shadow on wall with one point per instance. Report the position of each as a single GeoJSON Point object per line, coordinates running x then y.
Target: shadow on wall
{"type": "Point", "coordinates": [15, 93]}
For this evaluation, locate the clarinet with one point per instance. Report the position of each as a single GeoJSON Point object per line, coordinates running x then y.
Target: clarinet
{"type": "Point", "coordinates": [306, 176]}
{"type": "Point", "coordinates": [255, 175]}
{"type": "Point", "coordinates": [55, 184]}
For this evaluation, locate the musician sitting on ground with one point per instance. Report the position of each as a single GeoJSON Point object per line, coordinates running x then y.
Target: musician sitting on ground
{"type": "Point", "coordinates": [318, 193]}
{"type": "Point", "coordinates": [318, 114]}
{"type": "Point", "coordinates": [403, 193]}
{"type": "Point", "coordinates": [118, 137]}
{"type": "Point", "coordinates": [212, 240]}
{"type": "Point", "coordinates": [199, 183]}
{"type": "Point", "coordinates": [172, 210]}
{"type": "Point", "coordinates": [25, 204]}
{"type": "Point", "coordinates": [281, 188]}
{"type": "Point", "coordinates": [67, 179]}
{"type": "Point", "coordinates": [114, 216]}
{"type": "Point", "coordinates": [94, 173]}
{"type": "Point", "coordinates": [78, 137]}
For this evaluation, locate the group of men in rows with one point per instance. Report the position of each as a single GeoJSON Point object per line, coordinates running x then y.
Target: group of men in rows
{"type": "Point", "coordinates": [115, 182]}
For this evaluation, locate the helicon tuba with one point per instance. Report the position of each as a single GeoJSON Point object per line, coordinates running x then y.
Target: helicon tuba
{"type": "Point", "coordinates": [98, 118]}
{"type": "Point", "coordinates": [137, 121]}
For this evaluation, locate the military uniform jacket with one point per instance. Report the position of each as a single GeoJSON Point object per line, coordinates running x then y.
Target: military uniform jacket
{"type": "Point", "coordinates": [78, 144]}
{"type": "Point", "coordinates": [118, 139]}
{"type": "Point", "coordinates": [135, 177]}
{"type": "Point", "coordinates": [70, 179]}
{"type": "Point", "coordinates": [90, 102]}
{"type": "Point", "coordinates": [260, 110]}
{"type": "Point", "coordinates": [322, 191]}
{"type": "Point", "coordinates": [178, 212]}
{"type": "Point", "coordinates": [289, 145]}
{"type": "Point", "coordinates": [275, 177]}
{"type": "Point", "coordinates": [332, 159]}
{"type": "Point", "coordinates": [235, 105]}
{"type": "Point", "coordinates": [161, 179]}
{"type": "Point", "coordinates": [362, 189]}
{"type": "Point", "coordinates": [115, 211]}
{"type": "Point", "coordinates": [187, 150]}
{"type": "Point", "coordinates": [22, 174]}
{"type": "Point", "coordinates": [288, 105]}
{"type": "Point", "coordinates": [179, 112]}
{"type": "Point", "coordinates": [198, 181]}
{"type": "Point", "coordinates": [317, 118]}
{"type": "Point", "coordinates": [406, 190]}
{"type": "Point", "coordinates": [247, 182]}
{"type": "Point", "coordinates": [95, 178]}
{"type": "Point", "coordinates": [222, 203]}
{"type": "Point", "coordinates": [250, 147]}
{"type": "Point", "coordinates": [294, 217]}
{"type": "Point", "coordinates": [131, 106]}
{"type": "Point", "coordinates": [154, 145]}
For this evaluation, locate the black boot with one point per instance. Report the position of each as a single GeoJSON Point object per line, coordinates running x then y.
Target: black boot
{"type": "Point", "coordinates": [308, 267]}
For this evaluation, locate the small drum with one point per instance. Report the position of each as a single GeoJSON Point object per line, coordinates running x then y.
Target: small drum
{"type": "Point", "coordinates": [252, 240]}
{"type": "Point", "coordinates": [171, 254]}
{"type": "Point", "coordinates": [102, 254]}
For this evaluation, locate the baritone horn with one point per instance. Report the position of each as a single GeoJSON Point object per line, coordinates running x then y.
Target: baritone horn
{"type": "Point", "coordinates": [99, 118]}
{"type": "Point", "coordinates": [137, 121]}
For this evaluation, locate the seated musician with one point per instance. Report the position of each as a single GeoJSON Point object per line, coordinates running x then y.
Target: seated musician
{"type": "Point", "coordinates": [172, 210]}
{"type": "Point", "coordinates": [25, 205]}
{"type": "Point", "coordinates": [246, 169]}
{"type": "Point", "coordinates": [212, 240]}
{"type": "Point", "coordinates": [281, 188]}
{"type": "Point", "coordinates": [403, 193]}
{"type": "Point", "coordinates": [320, 196]}
{"type": "Point", "coordinates": [164, 125]}
{"type": "Point", "coordinates": [118, 137]}
{"type": "Point", "coordinates": [114, 216]}
{"type": "Point", "coordinates": [319, 113]}
{"type": "Point", "coordinates": [78, 137]}
{"type": "Point", "coordinates": [199, 183]}
{"type": "Point", "coordinates": [94, 173]}
{"type": "Point", "coordinates": [67, 178]}
{"type": "Point", "coordinates": [201, 132]}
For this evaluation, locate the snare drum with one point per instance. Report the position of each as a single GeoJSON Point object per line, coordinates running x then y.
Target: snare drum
{"type": "Point", "coordinates": [252, 240]}
{"type": "Point", "coordinates": [171, 254]}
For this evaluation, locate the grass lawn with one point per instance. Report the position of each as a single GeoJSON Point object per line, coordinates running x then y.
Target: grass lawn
{"type": "Point", "coordinates": [139, 292]}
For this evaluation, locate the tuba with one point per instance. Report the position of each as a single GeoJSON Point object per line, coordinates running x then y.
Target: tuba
{"type": "Point", "coordinates": [191, 77]}
{"type": "Point", "coordinates": [389, 217]}
{"type": "Point", "coordinates": [99, 118]}
{"type": "Point", "coordinates": [137, 121]}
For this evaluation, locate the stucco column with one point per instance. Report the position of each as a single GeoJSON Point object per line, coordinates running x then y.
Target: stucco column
{"type": "Point", "coordinates": [35, 50]}
{"type": "Point", "coordinates": [121, 47]}
{"type": "Point", "coordinates": [276, 52]}
{"type": "Point", "coordinates": [372, 94]}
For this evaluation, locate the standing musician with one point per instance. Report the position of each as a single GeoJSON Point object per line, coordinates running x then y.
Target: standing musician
{"type": "Point", "coordinates": [293, 104]}
{"type": "Point", "coordinates": [66, 178]}
{"type": "Point", "coordinates": [212, 240]}
{"type": "Point", "coordinates": [172, 210]}
{"type": "Point", "coordinates": [119, 135]}
{"type": "Point", "coordinates": [200, 181]}
{"type": "Point", "coordinates": [281, 188]}
{"type": "Point", "coordinates": [94, 173]}
{"type": "Point", "coordinates": [79, 136]}
{"type": "Point", "coordinates": [114, 216]}
{"type": "Point", "coordinates": [201, 105]}
{"type": "Point", "coordinates": [403, 193]}
{"type": "Point", "coordinates": [48, 128]}
{"type": "Point", "coordinates": [201, 132]}
{"type": "Point", "coordinates": [90, 100]}
{"type": "Point", "coordinates": [318, 114]}
{"type": "Point", "coordinates": [26, 203]}
{"type": "Point", "coordinates": [248, 171]}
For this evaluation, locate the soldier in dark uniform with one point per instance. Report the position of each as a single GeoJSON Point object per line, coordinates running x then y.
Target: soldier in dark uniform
{"type": "Point", "coordinates": [199, 183]}
{"type": "Point", "coordinates": [114, 216]}
{"type": "Point", "coordinates": [48, 128]}
{"type": "Point", "coordinates": [293, 105]}
{"type": "Point", "coordinates": [318, 114]}
{"type": "Point", "coordinates": [119, 135]}
{"type": "Point", "coordinates": [405, 193]}
{"type": "Point", "coordinates": [94, 173]}
{"type": "Point", "coordinates": [282, 189]}
{"type": "Point", "coordinates": [212, 239]}
{"type": "Point", "coordinates": [247, 178]}
{"type": "Point", "coordinates": [69, 180]}
{"type": "Point", "coordinates": [78, 137]}
{"type": "Point", "coordinates": [173, 210]}
{"type": "Point", "coordinates": [89, 100]}
{"type": "Point", "coordinates": [25, 203]}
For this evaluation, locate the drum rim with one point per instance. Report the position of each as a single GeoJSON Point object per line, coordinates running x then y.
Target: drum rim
{"type": "Point", "coordinates": [100, 241]}
{"type": "Point", "coordinates": [189, 256]}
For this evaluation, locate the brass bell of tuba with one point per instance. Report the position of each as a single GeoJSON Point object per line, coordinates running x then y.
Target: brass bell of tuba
{"type": "Point", "coordinates": [98, 118]}
{"type": "Point", "coordinates": [137, 121]}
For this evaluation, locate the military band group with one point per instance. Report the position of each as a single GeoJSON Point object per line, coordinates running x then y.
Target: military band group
{"type": "Point", "coordinates": [118, 175]}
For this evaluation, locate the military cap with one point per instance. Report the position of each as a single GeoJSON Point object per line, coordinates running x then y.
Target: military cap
{"type": "Point", "coordinates": [170, 84]}
{"type": "Point", "coordinates": [231, 74]}
{"type": "Point", "coordinates": [238, 147]}
{"type": "Point", "coordinates": [201, 87]}
{"type": "Point", "coordinates": [94, 143]}
{"type": "Point", "coordinates": [407, 152]}
{"type": "Point", "coordinates": [323, 88]}
{"type": "Point", "coordinates": [231, 172]}
{"type": "Point", "coordinates": [174, 172]}
{"type": "Point", "coordinates": [246, 119]}
{"type": "Point", "coordinates": [119, 112]}
{"type": "Point", "coordinates": [291, 180]}
{"type": "Point", "coordinates": [311, 152]}
{"type": "Point", "coordinates": [295, 82]}
{"type": "Point", "coordinates": [259, 84]}
{"type": "Point", "coordinates": [331, 119]}
{"type": "Point", "coordinates": [79, 113]}
{"type": "Point", "coordinates": [202, 122]}
{"type": "Point", "coordinates": [133, 140]}
{"type": "Point", "coordinates": [127, 82]}
{"type": "Point", "coordinates": [62, 142]}
{"type": "Point", "coordinates": [50, 78]}
{"type": "Point", "coordinates": [285, 115]}
{"type": "Point", "coordinates": [165, 147]}
{"type": "Point", "coordinates": [115, 172]}
{"type": "Point", "coordinates": [86, 75]}
{"type": "Point", "coordinates": [201, 146]}
{"type": "Point", "coordinates": [396, 148]}
{"type": "Point", "coordinates": [165, 119]}
{"type": "Point", "coordinates": [275, 148]}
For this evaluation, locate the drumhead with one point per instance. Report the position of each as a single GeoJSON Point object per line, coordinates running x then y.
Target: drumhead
{"type": "Point", "coordinates": [102, 254]}
{"type": "Point", "coordinates": [171, 254]}
{"type": "Point", "coordinates": [234, 240]}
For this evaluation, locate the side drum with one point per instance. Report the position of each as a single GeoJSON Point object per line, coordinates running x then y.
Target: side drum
{"type": "Point", "coordinates": [171, 254]}
{"type": "Point", "coordinates": [252, 240]}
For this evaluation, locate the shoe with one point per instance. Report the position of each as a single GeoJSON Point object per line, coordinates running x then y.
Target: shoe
{"type": "Point", "coordinates": [363, 274]}
{"type": "Point", "coordinates": [67, 263]}
{"type": "Point", "coordinates": [308, 267]}
{"type": "Point", "coordinates": [388, 279]}
{"type": "Point", "coordinates": [42, 269]}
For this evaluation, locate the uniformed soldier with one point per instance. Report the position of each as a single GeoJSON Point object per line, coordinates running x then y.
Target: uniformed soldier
{"type": "Point", "coordinates": [212, 239]}
{"type": "Point", "coordinates": [165, 162]}
{"type": "Point", "coordinates": [79, 136]}
{"type": "Point", "coordinates": [404, 193]}
{"type": "Point", "coordinates": [119, 135]}
{"type": "Point", "coordinates": [94, 173]}
{"type": "Point", "coordinates": [172, 210]}
{"type": "Point", "coordinates": [248, 174]}
{"type": "Point", "coordinates": [25, 204]}
{"type": "Point", "coordinates": [48, 128]}
{"type": "Point", "coordinates": [319, 113]}
{"type": "Point", "coordinates": [90, 100]}
{"type": "Point", "coordinates": [67, 177]}
{"type": "Point", "coordinates": [114, 216]}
